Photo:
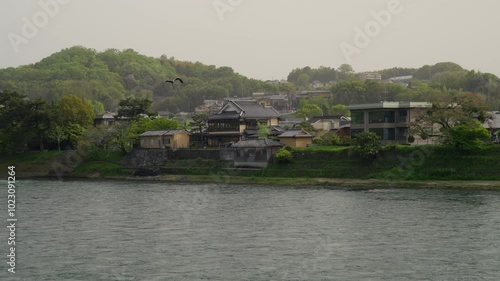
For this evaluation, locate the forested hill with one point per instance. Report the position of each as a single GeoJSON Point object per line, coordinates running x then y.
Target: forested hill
{"type": "Point", "coordinates": [113, 75]}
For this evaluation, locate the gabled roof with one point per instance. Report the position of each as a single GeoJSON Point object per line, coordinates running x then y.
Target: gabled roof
{"type": "Point", "coordinates": [105, 116]}
{"type": "Point", "coordinates": [225, 115]}
{"type": "Point", "coordinates": [162, 133]}
{"type": "Point", "coordinates": [277, 129]}
{"type": "Point", "coordinates": [257, 144]}
{"type": "Point", "coordinates": [249, 109]}
{"type": "Point", "coordinates": [295, 134]}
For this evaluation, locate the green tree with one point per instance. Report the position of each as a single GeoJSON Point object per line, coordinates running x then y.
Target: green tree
{"type": "Point", "coordinates": [73, 115]}
{"type": "Point", "coordinates": [365, 144]}
{"type": "Point", "coordinates": [457, 116]}
{"type": "Point", "coordinates": [303, 80]}
{"type": "Point", "coordinates": [97, 107]}
{"type": "Point", "coordinates": [22, 120]}
{"type": "Point", "coordinates": [39, 119]}
{"type": "Point", "coordinates": [308, 110]}
{"type": "Point", "coordinates": [263, 130]}
{"type": "Point", "coordinates": [307, 127]}
{"type": "Point", "coordinates": [75, 110]}
{"type": "Point", "coordinates": [426, 72]}
{"type": "Point", "coordinates": [57, 134]}
{"type": "Point", "coordinates": [345, 72]}
{"type": "Point", "coordinates": [134, 107]}
{"type": "Point", "coordinates": [349, 92]}
{"type": "Point", "coordinates": [466, 137]}
{"type": "Point", "coordinates": [199, 122]}
{"type": "Point", "coordinates": [339, 109]}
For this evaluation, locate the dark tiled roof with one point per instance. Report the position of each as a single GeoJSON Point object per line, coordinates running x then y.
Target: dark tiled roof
{"type": "Point", "coordinates": [295, 134]}
{"type": "Point", "coordinates": [252, 109]}
{"type": "Point", "coordinates": [257, 144]}
{"type": "Point", "coordinates": [161, 133]}
{"type": "Point", "coordinates": [225, 115]}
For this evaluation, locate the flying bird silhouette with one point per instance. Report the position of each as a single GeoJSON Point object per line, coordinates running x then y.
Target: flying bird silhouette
{"type": "Point", "coordinates": [172, 81]}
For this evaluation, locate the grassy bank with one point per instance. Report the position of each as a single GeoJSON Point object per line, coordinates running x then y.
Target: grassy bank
{"type": "Point", "coordinates": [421, 163]}
{"type": "Point", "coordinates": [400, 166]}
{"type": "Point", "coordinates": [102, 163]}
{"type": "Point", "coordinates": [30, 164]}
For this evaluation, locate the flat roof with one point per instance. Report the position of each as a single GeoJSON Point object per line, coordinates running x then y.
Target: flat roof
{"type": "Point", "coordinates": [389, 105]}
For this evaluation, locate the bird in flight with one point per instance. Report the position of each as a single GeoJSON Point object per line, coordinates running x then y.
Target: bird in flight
{"type": "Point", "coordinates": [172, 81]}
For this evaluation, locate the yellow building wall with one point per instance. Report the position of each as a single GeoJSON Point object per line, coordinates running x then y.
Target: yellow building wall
{"type": "Point", "coordinates": [288, 141]}
{"type": "Point", "coordinates": [273, 122]}
{"type": "Point", "coordinates": [296, 142]}
{"type": "Point", "coordinates": [302, 142]}
{"type": "Point", "coordinates": [151, 142]}
{"type": "Point", "coordinates": [181, 140]}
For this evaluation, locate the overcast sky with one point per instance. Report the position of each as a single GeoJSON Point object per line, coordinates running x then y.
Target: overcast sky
{"type": "Point", "coordinates": [262, 39]}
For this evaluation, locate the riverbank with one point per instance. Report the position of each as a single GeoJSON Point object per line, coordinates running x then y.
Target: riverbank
{"type": "Point", "coordinates": [334, 183]}
{"type": "Point", "coordinates": [325, 182]}
{"type": "Point", "coordinates": [396, 167]}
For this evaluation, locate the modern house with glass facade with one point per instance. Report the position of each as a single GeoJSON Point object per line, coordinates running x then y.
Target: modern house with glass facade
{"type": "Point", "coordinates": [390, 121]}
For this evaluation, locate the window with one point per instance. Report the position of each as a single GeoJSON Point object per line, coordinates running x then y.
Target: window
{"type": "Point", "coordinates": [385, 133]}
{"type": "Point", "coordinates": [381, 116]}
{"type": "Point", "coordinates": [403, 116]}
{"type": "Point", "coordinates": [357, 117]}
{"type": "Point", "coordinates": [401, 133]}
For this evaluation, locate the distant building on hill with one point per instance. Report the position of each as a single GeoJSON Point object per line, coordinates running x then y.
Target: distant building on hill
{"type": "Point", "coordinates": [370, 76]}
{"type": "Point", "coordinates": [106, 120]}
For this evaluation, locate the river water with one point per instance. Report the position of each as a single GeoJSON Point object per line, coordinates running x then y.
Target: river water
{"type": "Point", "coordinates": [132, 230]}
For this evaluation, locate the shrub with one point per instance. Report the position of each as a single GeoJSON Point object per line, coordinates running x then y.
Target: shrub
{"type": "Point", "coordinates": [283, 155]}
{"type": "Point", "coordinates": [318, 140]}
{"type": "Point", "coordinates": [366, 145]}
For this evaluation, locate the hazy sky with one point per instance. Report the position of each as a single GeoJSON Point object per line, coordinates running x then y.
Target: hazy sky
{"type": "Point", "coordinates": [261, 39]}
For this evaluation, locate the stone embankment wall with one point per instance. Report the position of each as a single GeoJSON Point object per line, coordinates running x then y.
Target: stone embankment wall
{"type": "Point", "coordinates": [157, 157]}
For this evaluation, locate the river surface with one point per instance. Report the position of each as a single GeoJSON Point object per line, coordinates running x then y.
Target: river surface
{"type": "Point", "coordinates": [132, 230]}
